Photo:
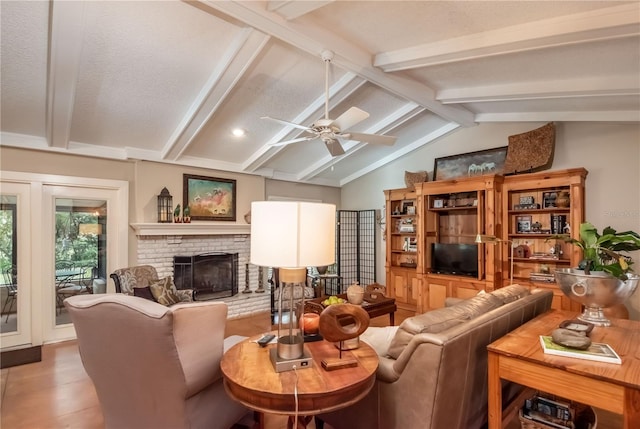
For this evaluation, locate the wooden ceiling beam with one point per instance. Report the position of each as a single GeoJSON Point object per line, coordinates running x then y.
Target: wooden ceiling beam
{"type": "Point", "coordinates": [66, 28]}
{"type": "Point", "coordinates": [238, 58]}
{"type": "Point", "coordinates": [549, 89]}
{"type": "Point", "coordinates": [600, 24]}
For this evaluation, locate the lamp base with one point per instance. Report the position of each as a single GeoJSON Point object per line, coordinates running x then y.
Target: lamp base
{"type": "Point", "coordinates": [282, 365]}
{"type": "Point", "coordinates": [290, 346]}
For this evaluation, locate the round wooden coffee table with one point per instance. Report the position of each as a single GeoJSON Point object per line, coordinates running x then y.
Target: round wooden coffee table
{"type": "Point", "coordinates": [249, 377]}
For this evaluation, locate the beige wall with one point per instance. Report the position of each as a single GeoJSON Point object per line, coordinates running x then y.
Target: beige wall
{"type": "Point", "coordinates": [34, 161]}
{"type": "Point", "coordinates": [326, 194]}
{"type": "Point", "coordinates": [146, 180]}
{"type": "Point", "coordinates": [151, 177]}
{"type": "Point", "coordinates": [610, 152]}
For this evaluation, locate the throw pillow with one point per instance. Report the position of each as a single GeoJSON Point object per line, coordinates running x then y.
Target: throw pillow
{"type": "Point", "coordinates": [511, 293]}
{"type": "Point", "coordinates": [164, 291]}
{"type": "Point", "coordinates": [185, 295]}
{"type": "Point", "coordinates": [144, 292]}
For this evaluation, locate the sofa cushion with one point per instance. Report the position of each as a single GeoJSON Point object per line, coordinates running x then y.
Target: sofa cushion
{"type": "Point", "coordinates": [185, 295]}
{"type": "Point", "coordinates": [441, 319]}
{"type": "Point", "coordinates": [379, 338]}
{"type": "Point", "coordinates": [511, 293]}
{"type": "Point", "coordinates": [164, 291]}
{"type": "Point", "coordinates": [143, 292]}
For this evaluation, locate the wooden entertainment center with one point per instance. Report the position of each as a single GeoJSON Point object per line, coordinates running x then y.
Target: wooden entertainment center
{"type": "Point", "coordinates": [524, 210]}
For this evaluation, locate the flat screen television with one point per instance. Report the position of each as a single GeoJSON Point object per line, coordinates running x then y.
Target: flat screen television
{"type": "Point", "coordinates": [455, 259]}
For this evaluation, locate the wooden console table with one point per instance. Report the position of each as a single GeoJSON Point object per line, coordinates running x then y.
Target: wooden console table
{"type": "Point", "coordinates": [249, 377]}
{"type": "Point", "coordinates": [518, 357]}
{"type": "Point", "coordinates": [375, 304]}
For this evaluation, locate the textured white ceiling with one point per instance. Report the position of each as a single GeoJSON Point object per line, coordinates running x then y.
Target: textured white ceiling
{"type": "Point", "coordinates": [374, 25]}
{"type": "Point", "coordinates": [168, 81]}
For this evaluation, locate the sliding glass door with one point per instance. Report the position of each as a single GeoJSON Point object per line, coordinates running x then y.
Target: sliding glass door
{"type": "Point", "coordinates": [15, 285]}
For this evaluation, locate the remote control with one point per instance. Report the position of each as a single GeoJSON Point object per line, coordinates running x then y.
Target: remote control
{"type": "Point", "coordinates": [265, 340]}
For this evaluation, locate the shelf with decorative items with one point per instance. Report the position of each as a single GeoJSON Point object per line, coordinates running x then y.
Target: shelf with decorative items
{"type": "Point", "coordinates": [403, 248]}
{"type": "Point", "coordinates": [537, 209]}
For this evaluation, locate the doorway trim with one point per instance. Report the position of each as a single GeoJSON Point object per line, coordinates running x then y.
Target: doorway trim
{"type": "Point", "coordinates": [41, 273]}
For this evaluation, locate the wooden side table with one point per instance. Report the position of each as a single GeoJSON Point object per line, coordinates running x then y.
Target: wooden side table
{"type": "Point", "coordinates": [249, 377]}
{"type": "Point", "coordinates": [518, 357]}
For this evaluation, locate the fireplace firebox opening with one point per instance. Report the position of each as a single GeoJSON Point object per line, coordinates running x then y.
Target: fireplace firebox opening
{"type": "Point", "coordinates": [210, 275]}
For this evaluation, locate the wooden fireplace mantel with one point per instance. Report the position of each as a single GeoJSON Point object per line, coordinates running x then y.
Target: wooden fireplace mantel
{"type": "Point", "coordinates": [194, 228]}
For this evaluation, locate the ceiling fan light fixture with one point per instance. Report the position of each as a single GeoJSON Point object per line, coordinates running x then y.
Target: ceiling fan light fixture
{"type": "Point", "coordinates": [331, 131]}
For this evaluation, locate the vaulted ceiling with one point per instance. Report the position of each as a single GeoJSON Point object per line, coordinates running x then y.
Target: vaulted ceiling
{"type": "Point", "coordinates": [167, 81]}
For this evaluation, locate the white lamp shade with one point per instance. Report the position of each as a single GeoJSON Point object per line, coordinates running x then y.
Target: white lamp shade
{"type": "Point", "coordinates": [287, 234]}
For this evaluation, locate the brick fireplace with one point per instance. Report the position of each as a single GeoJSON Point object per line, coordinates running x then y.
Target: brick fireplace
{"type": "Point", "coordinates": [158, 244]}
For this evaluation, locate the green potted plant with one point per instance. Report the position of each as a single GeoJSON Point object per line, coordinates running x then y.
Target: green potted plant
{"type": "Point", "coordinates": [604, 278]}
{"type": "Point", "coordinates": [602, 252]}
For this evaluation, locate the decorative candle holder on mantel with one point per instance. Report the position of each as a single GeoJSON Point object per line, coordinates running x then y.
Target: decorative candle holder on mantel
{"type": "Point", "coordinates": [260, 281]}
{"type": "Point", "coordinates": [247, 289]}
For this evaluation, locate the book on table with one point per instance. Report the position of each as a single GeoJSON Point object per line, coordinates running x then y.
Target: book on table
{"type": "Point", "coordinates": [600, 352]}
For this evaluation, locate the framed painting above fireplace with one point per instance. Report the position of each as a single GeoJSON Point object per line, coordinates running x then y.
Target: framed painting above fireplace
{"type": "Point", "coordinates": [209, 198]}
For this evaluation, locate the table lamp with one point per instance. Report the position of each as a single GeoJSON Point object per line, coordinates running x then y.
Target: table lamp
{"type": "Point", "coordinates": [492, 239]}
{"type": "Point", "coordinates": [291, 236]}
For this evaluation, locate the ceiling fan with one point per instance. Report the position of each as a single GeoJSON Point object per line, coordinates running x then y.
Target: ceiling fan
{"type": "Point", "coordinates": [332, 131]}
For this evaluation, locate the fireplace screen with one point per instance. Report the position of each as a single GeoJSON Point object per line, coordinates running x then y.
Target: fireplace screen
{"type": "Point", "coordinates": [211, 275]}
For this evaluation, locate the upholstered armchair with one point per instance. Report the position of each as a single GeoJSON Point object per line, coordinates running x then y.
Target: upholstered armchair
{"type": "Point", "coordinates": [163, 370]}
{"type": "Point", "coordinates": [140, 281]}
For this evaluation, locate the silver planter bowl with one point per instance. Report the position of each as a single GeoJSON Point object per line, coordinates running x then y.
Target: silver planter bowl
{"type": "Point", "coordinates": [595, 291]}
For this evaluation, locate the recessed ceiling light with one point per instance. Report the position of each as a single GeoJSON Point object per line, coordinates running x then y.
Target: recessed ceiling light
{"type": "Point", "coordinates": [238, 132]}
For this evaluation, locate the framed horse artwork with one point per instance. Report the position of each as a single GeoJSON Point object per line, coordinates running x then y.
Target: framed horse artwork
{"type": "Point", "coordinates": [470, 164]}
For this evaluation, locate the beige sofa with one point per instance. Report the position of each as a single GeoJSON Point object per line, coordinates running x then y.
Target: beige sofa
{"type": "Point", "coordinates": [433, 367]}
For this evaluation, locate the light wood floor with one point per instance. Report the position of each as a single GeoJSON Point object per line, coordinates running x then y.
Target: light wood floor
{"type": "Point", "coordinates": [57, 393]}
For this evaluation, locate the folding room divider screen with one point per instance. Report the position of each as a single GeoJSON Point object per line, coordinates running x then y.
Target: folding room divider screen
{"type": "Point", "coordinates": [356, 241]}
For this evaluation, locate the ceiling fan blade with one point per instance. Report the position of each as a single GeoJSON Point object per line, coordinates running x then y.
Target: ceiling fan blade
{"type": "Point", "coordinates": [298, 140]}
{"type": "Point", "coordinates": [291, 124]}
{"type": "Point", "coordinates": [349, 118]}
{"type": "Point", "coordinates": [334, 147]}
{"type": "Point", "coordinates": [371, 138]}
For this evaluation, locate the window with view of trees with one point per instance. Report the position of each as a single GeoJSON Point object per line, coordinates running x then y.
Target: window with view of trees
{"type": "Point", "coordinates": [77, 233]}
{"type": "Point", "coordinates": [7, 236]}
